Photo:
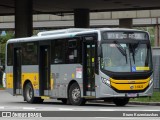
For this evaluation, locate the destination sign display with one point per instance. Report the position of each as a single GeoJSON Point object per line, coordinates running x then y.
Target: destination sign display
{"type": "Point", "coordinates": [125, 35]}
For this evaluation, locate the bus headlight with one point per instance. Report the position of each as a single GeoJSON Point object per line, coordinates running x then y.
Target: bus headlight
{"type": "Point", "coordinates": [105, 81]}
{"type": "Point", "coordinates": [151, 81]}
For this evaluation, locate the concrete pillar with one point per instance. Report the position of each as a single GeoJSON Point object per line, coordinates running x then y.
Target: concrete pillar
{"type": "Point", "coordinates": [157, 36]}
{"type": "Point", "coordinates": [125, 23]}
{"type": "Point", "coordinates": [81, 18]}
{"type": "Point", "coordinates": [23, 18]}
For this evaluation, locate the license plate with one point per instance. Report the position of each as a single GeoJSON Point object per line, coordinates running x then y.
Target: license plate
{"type": "Point", "coordinates": [131, 94]}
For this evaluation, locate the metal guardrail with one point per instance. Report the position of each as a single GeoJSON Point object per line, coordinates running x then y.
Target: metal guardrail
{"type": "Point", "coordinates": [156, 67]}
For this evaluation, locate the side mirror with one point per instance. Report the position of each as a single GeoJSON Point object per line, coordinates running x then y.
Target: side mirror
{"type": "Point", "coordinates": [99, 52]}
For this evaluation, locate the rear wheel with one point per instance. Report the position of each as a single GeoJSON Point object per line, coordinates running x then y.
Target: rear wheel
{"type": "Point", "coordinates": [75, 95]}
{"type": "Point", "coordinates": [121, 101]}
{"type": "Point", "coordinates": [29, 94]}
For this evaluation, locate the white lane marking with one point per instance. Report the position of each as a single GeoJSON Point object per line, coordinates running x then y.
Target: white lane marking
{"type": "Point", "coordinates": [101, 117]}
{"type": "Point", "coordinates": [65, 109]}
{"type": "Point", "coordinates": [1, 107]}
{"type": "Point", "coordinates": [119, 118]}
{"type": "Point", "coordinates": [149, 110]}
{"type": "Point", "coordinates": [106, 110]}
{"type": "Point", "coordinates": [28, 108]}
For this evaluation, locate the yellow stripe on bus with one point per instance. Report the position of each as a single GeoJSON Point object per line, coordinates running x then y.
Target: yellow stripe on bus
{"type": "Point", "coordinates": [9, 80]}
{"type": "Point", "coordinates": [45, 97]}
{"type": "Point", "coordinates": [130, 81]}
{"type": "Point", "coordinates": [130, 84]}
{"type": "Point", "coordinates": [142, 68]}
{"type": "Point", "coordinates": [33, 77]}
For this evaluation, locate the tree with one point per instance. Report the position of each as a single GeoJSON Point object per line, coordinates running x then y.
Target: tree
{"type": "Point", "coordinates": [151, 31]}
{"type": "Point", "coordinates": [3, 40]}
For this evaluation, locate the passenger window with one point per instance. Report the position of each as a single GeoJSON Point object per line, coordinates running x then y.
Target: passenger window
{"type": "Point", "coordinates": [66, 51]}
{"type": "Point", "coordinates": [58, 51]}
{"type": "Point", "coordinates": [29, 54]}
{"type": "Point", "coordinates": [74, 50]}
{"type": "Point", "coordinates": [10, 54]}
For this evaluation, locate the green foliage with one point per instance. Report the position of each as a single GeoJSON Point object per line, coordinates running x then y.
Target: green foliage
{"type": "Point", "coordinates": [1, 86]}
{"type": "Point", "coordinates": [3, 40]}
{"type": "Point", "coordinates": [155, 98]}
{"type": "Point", "coordinates": [151, 31]}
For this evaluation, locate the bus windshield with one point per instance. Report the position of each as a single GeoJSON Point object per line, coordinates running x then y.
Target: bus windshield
{"type": "Point", "coordinates": [125, 57]}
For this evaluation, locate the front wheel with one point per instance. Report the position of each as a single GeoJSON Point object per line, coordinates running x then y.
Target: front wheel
{"type": "Point", "coordinates": [75, 95]}
{"type": "Point", "coordinates": [120, 101]}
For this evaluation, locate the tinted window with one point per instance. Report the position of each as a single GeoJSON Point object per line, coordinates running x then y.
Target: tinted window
{"type": "Point", "coordinates": [66, 51]}
{"type": "Point", "coordinates": [74, 51]}
{"type": "Point", "coordinates": [10, 54]}
{"type": "Point", "coordinates": [58, 51]}
{"type": "Point", "coordinates": [29, 53]}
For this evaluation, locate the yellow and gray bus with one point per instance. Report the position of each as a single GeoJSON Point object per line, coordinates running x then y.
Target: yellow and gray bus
{"type": "Point", "coordinates": [76, 65]}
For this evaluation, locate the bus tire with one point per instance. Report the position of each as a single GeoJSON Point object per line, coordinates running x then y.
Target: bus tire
{"type": "Point", "coordinates": [120, 101]}
{"type": "Point", "coordinates": [29, 94]}
{"type": "Point", "coordinates": [38, 100]}
{"type": "Point", "coordinates": [64, 100]}
{"type": "Point", "coordinates": [75, 95]}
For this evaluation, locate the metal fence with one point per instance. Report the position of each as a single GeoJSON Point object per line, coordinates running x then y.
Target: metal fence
{"type": "Point", "coordinates": [156, 68]}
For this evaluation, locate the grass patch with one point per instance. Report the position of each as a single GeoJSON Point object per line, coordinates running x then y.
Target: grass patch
{"type": "Point", "coordinates": [155, 98]}
{"type": "Point", "coordinates": [1, 87]}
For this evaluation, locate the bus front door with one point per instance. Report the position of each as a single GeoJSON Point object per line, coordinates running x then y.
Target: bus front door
{"type": "Point", "coordinates": [89, 67]}
{"type": "Point", "coordinates": [44, 70]}
{"type": "Point", "coordinates": [17, 72]}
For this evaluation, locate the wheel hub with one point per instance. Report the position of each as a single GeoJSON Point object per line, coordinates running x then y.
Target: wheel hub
{"type": "Point", "coordinates": [76, 94]}
{"type": "Point", "coordinates": [29, 93]}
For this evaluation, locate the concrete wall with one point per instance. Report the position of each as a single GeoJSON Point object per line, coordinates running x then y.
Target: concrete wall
{"type": "Point", "coordinates": [109, 19]}
{"type": "Point", "coordinates": [93, 16]}
{"type": "Point", "coordinates": [156, 68]}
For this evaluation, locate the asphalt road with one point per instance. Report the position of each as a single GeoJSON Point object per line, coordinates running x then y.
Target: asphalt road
{"type": "Point", "coordinates": [16, 103]}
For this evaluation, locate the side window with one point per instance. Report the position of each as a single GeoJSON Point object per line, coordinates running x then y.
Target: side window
{"type": "Point", "coordinates": [29, 53]}
{"type": "Point", "coordinates": [66, 51]}
{"type": "Point", "coordinates": [74, 51]}
{"type": "Point", "coordinates": [10, 54]}
{"type": "Point", "coordinates": [58, 51]}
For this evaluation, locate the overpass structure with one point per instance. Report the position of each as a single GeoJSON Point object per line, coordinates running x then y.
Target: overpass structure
{"type": "Point", "coordinates": [10, 7]}
{"type": "Point", "coordinates": [140, 18]}
{"type": "Point", "coordinates": [97, 19]}
{"type": "Point", "coordinates": [23, 11]}
{"type": "Point", "coordinates": [48, 23]}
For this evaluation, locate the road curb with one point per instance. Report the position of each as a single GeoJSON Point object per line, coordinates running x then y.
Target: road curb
{"type": "Point", "coordinates": [145, 103]}
{"type": "Point", "coordinates": [131, 102]}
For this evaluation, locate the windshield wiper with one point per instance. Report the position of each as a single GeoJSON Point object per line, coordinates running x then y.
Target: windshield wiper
{"type": "Point", "coordinates": [121, 49]}
{"type": "Point", "coordinates": [133, 52]}
{"type": "Point", "coordinates": [134, 49]}
{"type": "Point", "coordinates": [137, 48]}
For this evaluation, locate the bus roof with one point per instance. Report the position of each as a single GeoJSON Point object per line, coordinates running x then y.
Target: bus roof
{"type": "Point", "coordinates": [63, 31]}
{"type": "Point", "coordinates": [74, 30]}
{"type": "Point", "coordinates": [66, 33]}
